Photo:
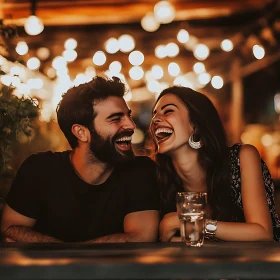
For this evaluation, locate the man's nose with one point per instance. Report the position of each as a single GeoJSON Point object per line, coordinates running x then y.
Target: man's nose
{"type": "Point", "coordinates": [129, 123]}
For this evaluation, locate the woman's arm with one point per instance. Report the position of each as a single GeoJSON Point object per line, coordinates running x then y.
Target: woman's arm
{"type": "Point", "coordinates": [258, 225]}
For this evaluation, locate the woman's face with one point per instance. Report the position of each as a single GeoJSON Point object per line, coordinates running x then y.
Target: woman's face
{"type": "Point", "coordinates": [170, 125]}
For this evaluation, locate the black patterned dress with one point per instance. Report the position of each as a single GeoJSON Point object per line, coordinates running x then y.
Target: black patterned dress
{"type": "Point", "coordinates": [268, 183]}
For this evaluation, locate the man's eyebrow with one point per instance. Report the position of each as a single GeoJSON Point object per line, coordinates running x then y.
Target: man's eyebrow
{"type": "Point", "coordinates": [118, 114]}
{"type": "Point", "coordinates": [155, 111]}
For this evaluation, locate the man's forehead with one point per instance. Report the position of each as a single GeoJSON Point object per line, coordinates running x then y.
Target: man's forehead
{"type": "Point", "coordinates": [110, 105]}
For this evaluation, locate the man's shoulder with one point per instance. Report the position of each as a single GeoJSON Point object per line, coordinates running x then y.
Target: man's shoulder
{"type": "Point", "coordinates": [44, 158]}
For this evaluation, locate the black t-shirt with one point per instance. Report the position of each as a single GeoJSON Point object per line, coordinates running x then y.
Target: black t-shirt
{"type": "Point", "coordinates": [47, 189]}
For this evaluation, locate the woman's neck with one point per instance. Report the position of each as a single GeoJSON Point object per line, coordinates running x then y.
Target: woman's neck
{"type": "Point", "coordinates": [189, 170]}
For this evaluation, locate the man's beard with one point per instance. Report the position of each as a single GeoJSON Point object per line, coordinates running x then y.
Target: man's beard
{"type": "Point", "coordinates": [104, 148]}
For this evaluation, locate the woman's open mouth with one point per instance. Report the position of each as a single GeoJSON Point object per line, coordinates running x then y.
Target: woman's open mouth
{"type": "Point", "coordinates": [163, 134]}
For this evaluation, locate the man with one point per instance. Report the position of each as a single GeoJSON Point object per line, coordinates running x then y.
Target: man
{"type": "Point", "coordinates": [99, 191]}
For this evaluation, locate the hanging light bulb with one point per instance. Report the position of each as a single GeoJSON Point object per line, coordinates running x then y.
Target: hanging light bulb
{"type": "Point", "coordinates": [164, 12]}
{"type": "Point", "coordinates": [33, 25]}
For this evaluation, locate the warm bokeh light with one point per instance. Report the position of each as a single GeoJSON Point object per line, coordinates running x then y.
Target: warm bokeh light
{"type": "Point", "coordinates": [199, 67]}
{"type": "Point", "coordinates": [183, 36]}
{"type": "Point", "coordinates": [164, 12]}
{"type": "Point", "coordinates": [217, 82]}
{"type": "Point", "coordinates": [136, 58]}
{"type": "Point", "coordinates": [173, 69]}
{"type": "Point", "coordinates": [99, 58]}
{"type": "Point", "coordinates": [201, 52]}
{"type": "Point", "coordinates": [149, 23]}
{"type": "Point", "coordinates": [35, 83]}
{"type": "Point", "coordinates": [15, 70]}
{"type": "Point", "coordinates": [258, 51]}
{"type": "Point", "coordinates": [115, 67]}
{"type": "Point", "coordinates": [51, 73]}
{"type": "Point", "coordinates": [153, 86]}
{"type": "Point", "coordinates": [90, 72]}
{"type": "Point", "coordinates": [22, 48]}
{"type": "Point", "coordinates": [160, 51]}
{"type": "Point", "coordinates": [33, 63]}
{"type": "Point", "coordinates": [112, 45]}
{"type": "Point", "coordinates": [59, 62]}
{"type": "Point", "coordinates": [204, 78]}
{"type": "Point", "coordinates": [267, 140]}
{"type": "Point", "coordinates": [136, 73]}
{"type": "Point", "coordinates": [70, 44]}
{"type": "Point", "coordinates": [157, 72]}
{"type": "Point", "coordinates": [127, 43]}
{"type": "Point", "coordinates": [172, 49]}
{"type": "Point", "coordinates": [227, 45]}
{"type": "Point", "coordinates": [277, 103]}
{"type": "Point", "coordinates": [43, 53]}
{"type": "Point", "coordinates": [33, 25]}
{"type": "Point", "coordinates": [69, 55]}
{"type": "Point", "coordinates": [182, 81]}
{"type": "Point", "coordinates": [15, 81]}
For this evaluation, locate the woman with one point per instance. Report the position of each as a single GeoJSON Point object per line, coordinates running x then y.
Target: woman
{"type": "Point", "coordinates": [192, 155]}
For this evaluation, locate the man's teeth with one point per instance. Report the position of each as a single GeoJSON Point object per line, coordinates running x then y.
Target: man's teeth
{"type": "Point", "coordinates": [165, 130]}
{"type": "Point", "coordinates": [123, 139]}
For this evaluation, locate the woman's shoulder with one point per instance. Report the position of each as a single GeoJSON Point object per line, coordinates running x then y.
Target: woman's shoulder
{"type": "Point", "coordinates": [243, 150]}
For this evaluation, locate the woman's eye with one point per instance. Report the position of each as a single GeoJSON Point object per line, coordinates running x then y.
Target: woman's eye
{"type": "Point", "coordinates": [168, 111]}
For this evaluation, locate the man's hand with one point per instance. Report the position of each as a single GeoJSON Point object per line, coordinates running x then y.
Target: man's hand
{"type": "Point", "coordinates": [8, 240]}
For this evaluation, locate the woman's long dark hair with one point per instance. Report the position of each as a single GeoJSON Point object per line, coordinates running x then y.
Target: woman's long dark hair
{"type": "Point", "coordinates": [213, 157]}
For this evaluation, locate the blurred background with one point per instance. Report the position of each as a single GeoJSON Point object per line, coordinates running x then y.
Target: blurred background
{"type": "Point", "coordinates": [228, 50]}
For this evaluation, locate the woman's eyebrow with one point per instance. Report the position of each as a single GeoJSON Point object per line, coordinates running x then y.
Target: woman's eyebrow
{"type": "Point", "coordinates": [168, 105]}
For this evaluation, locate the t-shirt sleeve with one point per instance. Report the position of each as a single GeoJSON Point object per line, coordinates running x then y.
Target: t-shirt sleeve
{"type": "Point", "coordinates": [24, 195]}
{"type": "Point", "coordinates": [143, 193]}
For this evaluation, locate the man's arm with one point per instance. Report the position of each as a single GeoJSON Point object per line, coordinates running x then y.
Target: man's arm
{"type": "Point", "coordinates": [17, 227]}
{"type": "Point", "coordinates": [141, 226]}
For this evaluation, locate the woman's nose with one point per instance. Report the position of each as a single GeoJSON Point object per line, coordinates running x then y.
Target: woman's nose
{"type": "Point", "coordinates": [156, 120]}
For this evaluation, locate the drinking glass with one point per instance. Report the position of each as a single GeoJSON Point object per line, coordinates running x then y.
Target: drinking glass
{"type": "Point", "coordinates": [190, 209]}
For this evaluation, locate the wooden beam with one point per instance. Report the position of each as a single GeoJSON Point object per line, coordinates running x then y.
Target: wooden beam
{"type": "Point", "coordinates": [97, 12]}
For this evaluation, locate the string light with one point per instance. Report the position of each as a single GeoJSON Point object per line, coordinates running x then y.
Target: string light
{"type": "Point", "coordinates": [33, 25]}
{"type": "Point", "coordinates": [127, 43]}
{"type": "Point", "coordinates": [99, 58]}
{"type": "Point", "coordinates": [136, 58]}
{"type": "Point", "coordinates": [201, 52]}
{"type": "Point", "coordinates": [164, 12]}
{"type": "Point", "coordinates": [70, 44]}
{"type": "Point", "coordinates": [227, 45]}
{"type": "Point", "coordinates": [258, 51]}
{"type": "Point", "coordinates": [22, 48]}
{"type": "Point", "coordinates": [173, 69]}
{"type": "Point", "coordinates": [183, 36]}
{"type": "Point", "coordinates": [149, 23]}
{"type": "Point", "coordinates": [217, 82]}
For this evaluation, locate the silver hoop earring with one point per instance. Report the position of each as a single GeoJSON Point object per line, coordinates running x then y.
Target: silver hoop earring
{"type": "Point", "coordinates": [194, 144]}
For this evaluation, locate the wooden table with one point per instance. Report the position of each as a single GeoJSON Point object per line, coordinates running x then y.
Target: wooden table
{"type": "Point", "coordinates": [246, 260]}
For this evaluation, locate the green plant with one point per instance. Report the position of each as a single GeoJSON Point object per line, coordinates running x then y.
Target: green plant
{"type": "Point", "coordinates": [16, 115]}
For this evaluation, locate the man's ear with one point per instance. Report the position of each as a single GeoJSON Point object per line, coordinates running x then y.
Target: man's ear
{"type": "Point", "coordinates": [80, 132]}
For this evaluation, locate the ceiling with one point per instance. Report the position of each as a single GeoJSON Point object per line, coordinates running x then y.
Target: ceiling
{"type": "Point", "coordinates": [93, 22]}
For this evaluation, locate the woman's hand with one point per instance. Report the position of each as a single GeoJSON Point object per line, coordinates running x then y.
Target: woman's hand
{"type": "Point", "coordinates": [169, 224]}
